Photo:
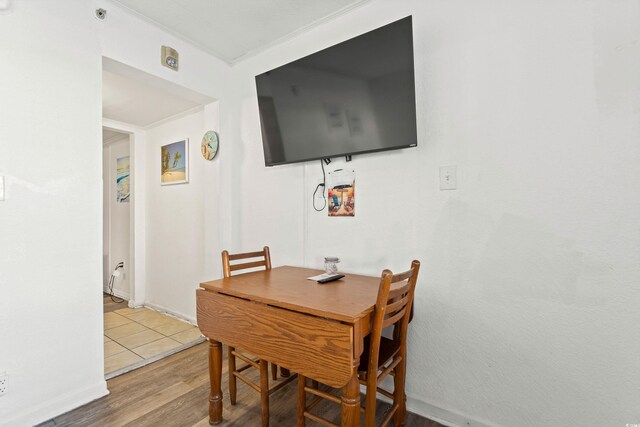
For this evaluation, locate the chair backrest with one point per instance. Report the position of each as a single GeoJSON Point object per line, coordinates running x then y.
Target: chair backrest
{"type": "Point", "coordinates": [393, 307]}
{"type": "Point", "coordinates": [228, 267]}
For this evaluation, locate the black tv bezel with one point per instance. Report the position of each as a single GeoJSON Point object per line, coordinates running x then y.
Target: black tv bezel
{"type": "Point", "coordinates": [343, 154]}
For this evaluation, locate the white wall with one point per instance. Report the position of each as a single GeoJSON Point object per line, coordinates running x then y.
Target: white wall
{"type": "Point", "coordinates": [181, 223]}
{"type": "Point", "coordinates": [116, 230]}
{"type": "Point", "coordinates": [50, 221]}
{"type": "Point", "coordinates": [131, 41]}
{"type": "Point", "coordinates": [527, 305]}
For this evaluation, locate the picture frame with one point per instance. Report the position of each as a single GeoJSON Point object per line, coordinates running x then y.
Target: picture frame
{"type": "Point", "coordinates": [174, 163]}
{"type": "Point", "coordinates": [123, 188]}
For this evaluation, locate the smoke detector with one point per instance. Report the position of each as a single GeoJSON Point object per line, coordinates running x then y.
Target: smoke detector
{"type": "Point", "coordinates": [101, 14]}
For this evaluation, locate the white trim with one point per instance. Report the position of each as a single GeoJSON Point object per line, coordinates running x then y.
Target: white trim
{"type": "Point", "coordinates": [58, 405]}
{"type": "Point", "coordinates": [137, 224]}
{"type": "Point", "coordinates": [121, 127]}
{"type": "Point", "coordinates": [447, 417]}
{"type": "Point", "coordinates": [165, 310]}
{"type": "Point", "coordinates": [444, 416]}
{"type": "Point", "coordinates": [295, 33]}
{"type": "Point", "coordinates": [115, 138]}
{"type": "Point", "coordinates": [176, 116]}
{"type": "Point", "coordinates": [117, 293]}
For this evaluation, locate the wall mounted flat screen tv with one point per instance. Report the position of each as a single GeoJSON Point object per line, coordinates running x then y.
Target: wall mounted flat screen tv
{"type": "Point", "coordinates": [355, 97]}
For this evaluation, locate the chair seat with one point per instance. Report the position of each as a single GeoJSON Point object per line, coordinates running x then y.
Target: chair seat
{"type": "Point", "coordinates": [388, 348]}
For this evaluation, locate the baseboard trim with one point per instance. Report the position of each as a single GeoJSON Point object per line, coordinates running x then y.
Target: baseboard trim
{"type": "Point", "coordinates": [444, 416]}
{"type": "Point", "coordinates": [59, 405]}
{"type": "Point", "coordinates": [117, 293]}
{"type": "Point", "coordinates": [165, 310]}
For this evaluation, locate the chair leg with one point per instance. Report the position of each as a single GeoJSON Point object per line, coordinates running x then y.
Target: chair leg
{"type": "Point", "coordinates": [232, 379]}
{"type": "Point", "coordinates": [274, 371]}
{"type": "Point", "coordinates": [264, 392]}
{"type": "Point", "coordinates": [370, 401]}
{"type": "Point", "coordinates": [399, 397]}
{"type": "Point", "coordinates": [302, 401]}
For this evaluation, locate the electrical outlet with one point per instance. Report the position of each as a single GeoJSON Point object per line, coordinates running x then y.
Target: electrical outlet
{"type": "Point", "coordinates": [3, 383]}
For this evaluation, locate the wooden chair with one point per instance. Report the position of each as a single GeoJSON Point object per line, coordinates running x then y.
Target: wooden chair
{"type": "Point", "coordinates": [236, 372]}
{"type": "Point", "coordinates": [381, 356]}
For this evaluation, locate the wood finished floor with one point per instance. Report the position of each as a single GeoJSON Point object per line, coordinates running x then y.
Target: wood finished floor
{"type": "Point", "coordinates": [109, 305]}
{"type": "Point", "coordinates": [174, 392]}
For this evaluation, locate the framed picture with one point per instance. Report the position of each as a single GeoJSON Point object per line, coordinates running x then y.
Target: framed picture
{"type": "Point", "coordinates": [341, 192]}
{"type": "Point", "coordinates": [174, 163]}
{"type": "Point", "coordinates": [122, 180]}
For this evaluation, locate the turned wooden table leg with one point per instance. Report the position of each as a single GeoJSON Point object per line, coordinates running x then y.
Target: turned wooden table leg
{"type": "Point", "coordinates": [351, 400]}
{"type": "Point", "coordinates": [215, 378]}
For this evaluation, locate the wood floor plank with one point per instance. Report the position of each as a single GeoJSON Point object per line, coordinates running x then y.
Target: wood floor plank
{"type": "Point", "coordinates": [174, 392]}
{"type": "Point", "coordinates": [109, 305]}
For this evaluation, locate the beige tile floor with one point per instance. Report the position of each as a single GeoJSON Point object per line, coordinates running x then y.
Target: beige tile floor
{"type": "Point", "coordinates": [133, 335]}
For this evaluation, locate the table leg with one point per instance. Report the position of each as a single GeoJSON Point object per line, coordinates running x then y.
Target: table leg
{"type": "Point", "coordinates": [215, 378]}
{"type": "Point", "coordinates": [351, 400]}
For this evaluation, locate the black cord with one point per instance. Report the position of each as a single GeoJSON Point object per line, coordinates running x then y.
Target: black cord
{"type": "Point", "coordinates": [324, 180]}
{"type": "Point", "coordinates": [111, 280]}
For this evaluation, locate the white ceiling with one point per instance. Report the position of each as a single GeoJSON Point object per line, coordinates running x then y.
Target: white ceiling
{"type": "Point", "coordinates": [232, 29]}
{"type": "Point", "coordinates": [109, 135]}
{"type": "Point", "coordinates": [134, 97]}
{"type": "Point", "coordinates": [228, 29]}
{"type": "Point", "coordinates": [136, 103]}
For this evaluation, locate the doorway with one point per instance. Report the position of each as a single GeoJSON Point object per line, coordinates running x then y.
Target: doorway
{"type": "Point", "coordinates": [116, 214]}
{"type": "Point", "coordinates": [136, 106]}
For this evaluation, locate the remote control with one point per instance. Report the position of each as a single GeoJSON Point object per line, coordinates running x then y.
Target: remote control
{"type": "Point", "coordinates": [331, 278]}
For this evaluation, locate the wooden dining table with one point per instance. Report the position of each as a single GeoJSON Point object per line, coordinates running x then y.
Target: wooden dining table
{"type": "Point", "coordinates": [279, 315]}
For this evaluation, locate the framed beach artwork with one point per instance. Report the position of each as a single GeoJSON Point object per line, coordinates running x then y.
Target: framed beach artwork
{"type": "Point", "coordinates": [174, 163]}
{"type": "Point", "coordinates": [122, 180]}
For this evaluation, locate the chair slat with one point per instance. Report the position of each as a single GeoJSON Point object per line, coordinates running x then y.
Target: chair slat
{"type": "Point", "coordinates": [396, 292]}
{"type": "Point", "coordinates": [246, 265]}
{"type": "Point", "coordinates": [320, 420]}
{"type": "Point", "coordinates": [323, 394]}
{"type": "Point", "coordinates": [247, 381]}
{"type": "Point", "coordinates": [392, 307]}
{"type": "Point", "coordinates": [246, 255]}
{"type": "Point", "coordinates": [393, 319]}
{"type": "Point", "coordinates": [401, 276]}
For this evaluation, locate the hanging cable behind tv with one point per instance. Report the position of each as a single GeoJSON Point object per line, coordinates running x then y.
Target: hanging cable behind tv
{"type": "Point", "coordinates": [115, 274]}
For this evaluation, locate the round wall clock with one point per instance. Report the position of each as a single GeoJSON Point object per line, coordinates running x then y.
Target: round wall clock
{"type": "Point", "coordinates": [209, 145]}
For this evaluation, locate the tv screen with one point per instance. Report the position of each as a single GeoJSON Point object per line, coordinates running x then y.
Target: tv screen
{"type": "Point", "coordinates": [355, 97]}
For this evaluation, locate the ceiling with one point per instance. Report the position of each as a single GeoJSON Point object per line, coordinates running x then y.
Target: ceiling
{"type": "Point", "coordinates": [109, 135]}
{"type": "Point", "coordinates": [233, 29]}
{"type": "Point", "coordinates": [227, 29]}
{"type": "Point", "coordinates": [136, 103]}
{"type": "Point", "coordinates": [140, 99]}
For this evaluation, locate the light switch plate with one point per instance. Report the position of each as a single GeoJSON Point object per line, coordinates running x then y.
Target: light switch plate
{"type": "Point", "coordinates": [1, 188]}
{"type": "Point", "coordinates": [448, 177]}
